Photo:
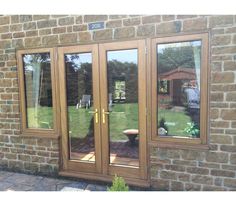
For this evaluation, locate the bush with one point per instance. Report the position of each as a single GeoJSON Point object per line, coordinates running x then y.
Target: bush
{"type": "Point", "coordinates": [118, 184]}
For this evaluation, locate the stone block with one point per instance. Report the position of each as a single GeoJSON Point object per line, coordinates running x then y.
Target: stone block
{"type": "Point", "coordinates": [161, 185]}
{"type": "Point", "coordinates": [68, 38]}
{"type": "Point", "coordinates": [113, 24]}
{"type": "Point", "coordinates": [151, 19]}
{"type": "Point", "coordinates": [195, 24]}
{"type": "Point", "coordinates": [127, 32]}
{"type": "Point", "coordinates": [221, 40]}
{"type": "Point", "coordinates": [4, 20]}
{"type": "Point", "coordinates": [201, 179]}
{"type": "Point", "coordinates": [229, 66]}
{"type": "Point", "coordinates": [4, 29]}
{"type": "Point", "coordinates": [4, 44]}
{"type": "Point", "coordinates": [32, 41]}
{"type": "Point", "coordinates": [228, 114]}
{"type": "Point", "coordinates": [217, 97]}
{"type": "Point", "coordinates": [222, 77]}
{"type": "Point", "coordinates": [228, 148]}
{"type": "Point", "coordinates": [40, 17]}
{"type": "Point", "coordinates": [230, 182]}
{"type": "Point", "coordinates": [50, 40]}
{"type": "Point", "coordinates": [222, 173]}
{"type": "Point", "coordinates": [183, 177]}
{"type": "Point", "coordinates": [176, 186]}
{"type": "Point", "coordinates": [45, 32]}
{"type": "Point", "coordinates": [168, 175]}
{"type": "Point", "coordinates": [59, 30]}
{"type": "Point", "coordinates": [117, 16]}
{"type": "Point", "coordinates": [192, 187]}
{"type": "Point", "coordinates": [29, 26]}
{"type": "Point", "coordinates": [168, 17]}
{"type": "Point", "coordinates": [66, 21]}
{"type": "Point", "coordinates": [15, 19]}
{"type": "Point", "coordinates": [221, 139]}
{"type": "Point", "coordinates": [169, 27]}
{"type": "Point", "coordinates": [105, 34]}
{"type": "Point", "coordinates": [47, 23]}
{"type": "Point", "coordinates": [81, 27]}
{"type": "Point", "coordinates": [233, 158]}
{"type": "Point", "coordinates": [221, 20]}
{"type": "Point", "coordinates": [146, 30]}
{"type": "Point", "coordinates": [95, 18]}
{"type": "Point", "coordinates": [31, 33]}
{"type": "Point", "coordinates": [217, 157]}
{"type": "Point", "coordinates": [16, 27]}
{"type": "Point", "coordinates": [224, 50]}
{"type": "Point", "coordinates": [78, 19]}
{"type": "Point", "coordinates": [198, 170]}
{"type": "Point", "coordinates": [25, 18]}
{"type": "Point", "coordinates": [132, 21]}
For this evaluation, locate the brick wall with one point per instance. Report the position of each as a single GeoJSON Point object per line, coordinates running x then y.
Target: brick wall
{"type": "Point", "coordinates": [170, 169]}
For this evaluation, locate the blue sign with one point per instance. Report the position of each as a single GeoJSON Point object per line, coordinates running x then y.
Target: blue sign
{"type": "Point", "coordinates": [96, 25]}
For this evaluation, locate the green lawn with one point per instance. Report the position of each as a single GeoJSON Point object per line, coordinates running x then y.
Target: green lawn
{"type": "Point", "coordinates": [176, 122]}
{"type": "Point", "coordinates": [122, 116]}
{"type": "Point", "coordinates": [40, 118]}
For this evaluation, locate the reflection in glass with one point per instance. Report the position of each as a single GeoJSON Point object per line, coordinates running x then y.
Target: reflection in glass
{"type": "Point", "coordinates": [122, 75]}
{"type": "Point", "coordinates": [38, 90]}
{"type": "Point", "coordinates": [179, 89]}
{"type": "Point", "coordinates": [80, 106]}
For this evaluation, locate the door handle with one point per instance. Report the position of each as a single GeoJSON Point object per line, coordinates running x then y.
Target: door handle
{"type": "Point", "coordinates": [103, 116]}
{"type": "Point", "coordinates": [96, 114]}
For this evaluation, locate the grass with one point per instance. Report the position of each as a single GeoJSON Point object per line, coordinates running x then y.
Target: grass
{"type": "Point", "coordinates": [40, 118]}
{"type": "Point", "coordinates": [176, 122]}
{"type": "Point", "coordinates": [123, 116]}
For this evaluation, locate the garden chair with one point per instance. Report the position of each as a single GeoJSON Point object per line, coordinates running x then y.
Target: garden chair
{"type": "Point", "coordinates": [84, 102]}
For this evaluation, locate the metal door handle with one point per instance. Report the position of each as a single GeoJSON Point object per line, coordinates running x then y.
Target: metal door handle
{"type": "Point", "coordinates": [96, 114]}
{"type": "Point", "coordinates": [103, 116]}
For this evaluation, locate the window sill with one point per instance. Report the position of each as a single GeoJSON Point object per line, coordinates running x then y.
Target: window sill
{"type": "Point", "coordinates": [174, 145]}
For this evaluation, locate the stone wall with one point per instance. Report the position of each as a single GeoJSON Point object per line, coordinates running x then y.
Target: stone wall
{"type": "Point", "coordinates": [170, 169]}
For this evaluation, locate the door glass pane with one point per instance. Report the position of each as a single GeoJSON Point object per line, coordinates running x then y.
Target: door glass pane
{"type": "Point", "coordinates": [80, 106]}
{"type": "Point", "coordinates": [178, 89]}
{"type": "Point", "coordinates": [38, 90]}
{"type": "Point", "coordinates": [122, 70]}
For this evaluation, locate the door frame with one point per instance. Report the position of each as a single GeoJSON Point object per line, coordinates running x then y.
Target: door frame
{"type": "Point", "coordinates": [125, 171]}
{"type": "Point", "coordinates": [72, 165]}
{"type": "Point", "coordinates": [101, 170]}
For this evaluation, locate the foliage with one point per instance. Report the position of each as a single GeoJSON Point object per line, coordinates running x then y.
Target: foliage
{"type": "Point", "coordinates": [192, 129]}
{"type": "Point", "coordinates": [175, 57]}
{"type": "Point", "coordinates": [118, 184]}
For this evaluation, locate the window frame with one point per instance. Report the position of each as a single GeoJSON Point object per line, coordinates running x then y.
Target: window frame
{"type": "Point", "coordinates": [177, 141]}
{"type": "Point", "coordinates": [25, 130]}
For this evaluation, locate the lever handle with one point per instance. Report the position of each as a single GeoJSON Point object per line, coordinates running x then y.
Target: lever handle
{"type": "Point", "coordinates": [96, 114]}
{"type": "Point", "coordinates": [103, 116]}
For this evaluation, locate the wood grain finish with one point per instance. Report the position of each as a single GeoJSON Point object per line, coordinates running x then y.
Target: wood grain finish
{"type": "Point", "coordinates": [123, 170]}
{"type": "Point", "coordinates": [77, 165]}
{"type": "Point", "coordinates": [204, 73]}
{"type": "Point", "coordinates": [26, 131]}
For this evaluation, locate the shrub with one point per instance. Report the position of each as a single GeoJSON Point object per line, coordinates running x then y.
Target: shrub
{"type": "Point", "coordinates": [118, 184]}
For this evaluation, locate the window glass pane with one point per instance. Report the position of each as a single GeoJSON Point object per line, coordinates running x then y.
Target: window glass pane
{"type": "Point", "coordinates": [178, 89]}
{"type": "Point", "coordinates": [122, 73]}
{"type": "Point", "coordinates": [38, 90]}
{"type": "Point", "coordinates": [80, 106]}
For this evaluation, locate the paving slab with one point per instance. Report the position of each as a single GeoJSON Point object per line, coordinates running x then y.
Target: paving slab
{"type": "Point", "coordinates": [11, 181]}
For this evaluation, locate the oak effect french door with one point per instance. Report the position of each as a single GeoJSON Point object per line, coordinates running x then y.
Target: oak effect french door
{"type": "Point", "coordinates": [103, 110]}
